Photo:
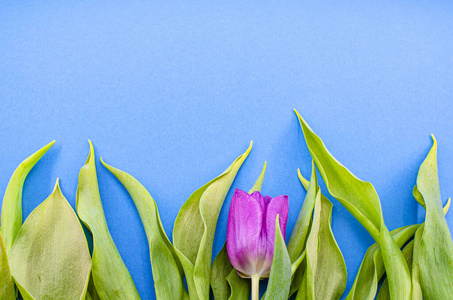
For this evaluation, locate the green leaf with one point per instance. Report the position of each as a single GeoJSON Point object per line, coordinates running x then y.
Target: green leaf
{"type": "Point", "coordinates": [7, 290]}
{"type": "Point", "coordinates": [225, 282]}
{"type": "Point", "coordinates": [194, 229]}
{"type": "Point", "coordinates": [221, 268]}
{"type": "Point", "coordinates": [240, 287]}
{"type": "Point", "coordinates": [50, 257]}
{"type": "Point", "coordinates": [110, 275]}
{"type": "Point", "coordinates": [384, 293]}
{"type": "Point", "coordinates": [326, 274]}
{"type": "Point", "coordinates": [434, 248]}
{"type": "Point", "coordinates": [372, 267]}
{"type": "Point", "coordinates": [259, 182]}
{"type": "Point", "coordinates": [298, 239]}
{"type": "Point", "coordinates": [11, 216]}
{"type": "Point", "coordinates": [361, 200]}
{"type": "Point", "coordinates": [92, 294]}
{"type": "Point", "coordinates": [167, 271]}
{"type": "Point", "coordinates": [280, 275]}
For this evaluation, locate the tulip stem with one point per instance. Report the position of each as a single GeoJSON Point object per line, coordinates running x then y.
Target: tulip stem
{"type": "Point", "coordinates": [255, 286]}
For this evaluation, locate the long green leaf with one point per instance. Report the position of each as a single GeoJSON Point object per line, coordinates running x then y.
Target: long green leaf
{"type": "Point", "coordinates": [110, 275]}
{"type": "Point", "coordinates": [326, 274]}
{"type": "Point", "coordinates": [167, 271]}
{"type": "Point", "coordinates": [7, 290]}
{"type": "Point", "coordinates": [361, 200]}
{"type": "Point", "coordinates": [384, 293]}
{"type": "Point", "coordinates": [434, 248]}
{"type": "Point", "coordinates": [50, 257]}
{"type": "Point", "coordinates": [372, 267]}
{"type": "Point", "coordinates": [280, 275]}
{"type": "Point", "coordinates": [298, 239]}
{"type": "Point", "coordinates": [194, 229]}
{"type": "Point", "coordinates": [11, 216]}
{"type": "Point", "coordinates": [225, 281]}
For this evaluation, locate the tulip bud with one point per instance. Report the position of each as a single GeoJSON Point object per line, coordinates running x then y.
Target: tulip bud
{"type": "Point", "coordinates": [251, 231]}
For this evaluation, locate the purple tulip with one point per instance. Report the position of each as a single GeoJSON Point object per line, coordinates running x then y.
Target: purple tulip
{"type": "Point", "coordinates": [251, 231]}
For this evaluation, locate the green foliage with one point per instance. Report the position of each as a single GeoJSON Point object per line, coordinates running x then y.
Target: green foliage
{"type": "Point", "coordinates": [11, 215]}
{"type": "Point", "coordinates": [50, 257]}
{"type": "Point", "coordinates": [167, 271]}
{"type": "Point", "coordinates": [361, 200]}
{"type": "Point", "coordinates": [225, 282]}
{"type": "Point", "coordinates": [111, 278]}
{"type": "Point", "coordinates": [194, 229]}
{"type": "Point", "coordinates": [280, 275]}
{"type": "Point", "coordinates": [7, 290]}
{"type": "Point", "coordinates": [433, 245]}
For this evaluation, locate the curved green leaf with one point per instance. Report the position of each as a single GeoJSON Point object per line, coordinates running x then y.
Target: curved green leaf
{"type": "Point", "coordinates": [221, 268]}
{"type": "Point", "coordinates": [193, 232]}
{"type": "Point", "coordinates": [110, 275]}
{"type": "Point", "coordinates": [11, 216]}
{"type": "Point", "coordinates": [361, 200]}
{"type": "Point", "coordinates": [240, 287]}
{"type": "Point", "coordinates": [225, 282]}
{"type": "Point", "coordinates": [435, 247]}
{"type": "Point", "coordinates": [372, 267]}
{"type": "Point", "coordinates": [384, 293]}
{"type": "Point", "coordinates": [7, 290]}
{"type": "Point", "coordinates": [280, 275]}
{"type": "Point", "coordinates": [359, 197]}
{"type": "Point", "coordinates": [298, 239]}
{"type": "Point", "coordinates": [325, 275]}
{"type": "Point", "coordinates": [50, 257]}
{"type": "Point", "coordinates": [167, 272]}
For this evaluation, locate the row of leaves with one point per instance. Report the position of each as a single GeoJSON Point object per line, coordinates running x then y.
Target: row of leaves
{"type": "Point", "coordinates": [47, 256]}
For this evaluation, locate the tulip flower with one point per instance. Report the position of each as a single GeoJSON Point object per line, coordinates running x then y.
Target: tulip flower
{"type": "Point", "coordinates": [251, 233]}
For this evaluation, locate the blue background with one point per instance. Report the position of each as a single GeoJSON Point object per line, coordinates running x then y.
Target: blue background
{"type": "Point", "coordinates": [173, 92]}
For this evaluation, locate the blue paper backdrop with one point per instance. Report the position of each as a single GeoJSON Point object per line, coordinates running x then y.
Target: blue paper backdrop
{"type": "Point", "coordinates": [173, 92]}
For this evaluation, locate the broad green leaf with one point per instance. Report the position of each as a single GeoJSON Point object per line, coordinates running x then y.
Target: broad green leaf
{"type": "Point", "coordinates": [50, 257]}
{"type": "Point", "coordinates": [7, 290]}
{"type": "Point", "coordinates": [193, 232]}
{"type": "Point", "coordinates": [11, 216]}
{"type": "Point", "coordinates": [280, 275]}
{"type": "Point", "coordinates": [435, 246]}
{"type": "Point", "coordinates": [225, 282]}
{"type": "Point", "coordinates": [167, 272]}
{"type": "Point", "coordinates": [361, 200]}
{"type": "Point", "coordinates": [326, 274]}
{"type": "Point", "coordinates": [110, 275]}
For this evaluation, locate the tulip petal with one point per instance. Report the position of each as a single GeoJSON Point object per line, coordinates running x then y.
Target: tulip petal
{"type": "Point", "coordinates": [244, 230]}
{"type": "Point", "coordinates": [277, 206]}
